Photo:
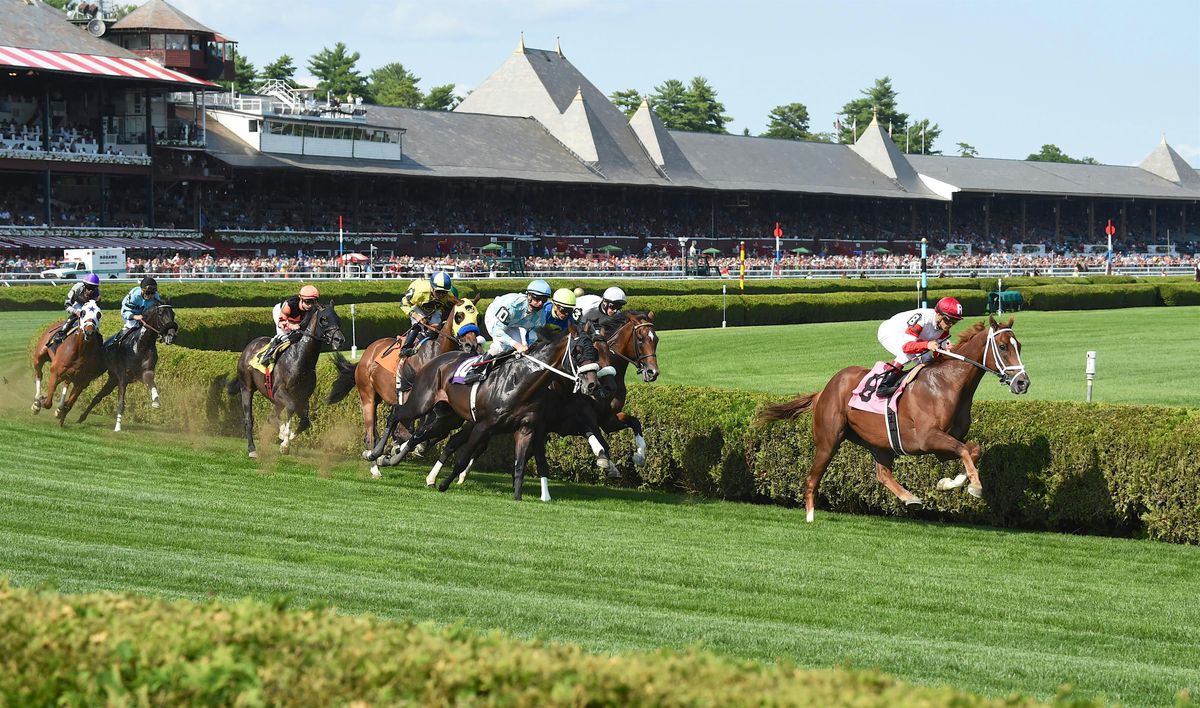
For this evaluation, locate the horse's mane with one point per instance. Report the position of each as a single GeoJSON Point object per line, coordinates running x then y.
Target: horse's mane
{"type": "Point", "coordinates": [615, 321]}
{"type": "Point", "coordinates": [970, 332]}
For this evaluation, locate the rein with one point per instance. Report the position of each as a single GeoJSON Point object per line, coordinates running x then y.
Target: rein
{"type": "Point", "coordinates": [992, 347]}
{"type": "Point", "coordinates": [567, 360]}
{"type": "Point", "coordinates": [637, 363]}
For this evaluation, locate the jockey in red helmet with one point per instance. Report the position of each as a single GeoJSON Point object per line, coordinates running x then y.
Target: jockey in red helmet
{"type": "Point", "coordinates": [916, 334]}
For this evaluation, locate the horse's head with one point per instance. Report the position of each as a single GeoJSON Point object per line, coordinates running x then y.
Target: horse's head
{"type": "Point", "coordinates": [326, 325]}
{"type": "Point", "coordinates": [465, 323]}
{"type": "Point", "coordinates": [590, 357]}
{"type": "Point", "coordinates": [89, 319]}
{"type": "Point", "coordinates": [162, 319]}
{"type": "Point", "coordinates": [632, 336]}
{"type": "Point", "coordinates": [1005, 353]}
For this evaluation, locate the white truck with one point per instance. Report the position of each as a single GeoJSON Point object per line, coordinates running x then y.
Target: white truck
{"type": "Point", "coordinates": [78, 262]}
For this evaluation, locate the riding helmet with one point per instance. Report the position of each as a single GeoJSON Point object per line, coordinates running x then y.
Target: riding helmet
{"type": "Point", "coordinates": [616, 296]}
{"type": "Point", "coordinates": [309, 292]}
{"type": "Point", "coordinates": [150, 285]}
{"type": "Point", "coordinates": [564, 298]}
{"type": "Point", "coordinates": [539, 287]}
{"type": "Point", "coordinates": [92, 279]}
{"type": "Point", "coordinates": [950, 308]}
{"type": "Point", "coordinates": [440, 281]}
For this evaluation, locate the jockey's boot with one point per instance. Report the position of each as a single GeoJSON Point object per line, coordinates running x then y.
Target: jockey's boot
{"type": "Point", "coordinates": [890, 380]}
{"type": "Point", "coordinates": [479, 370]}
{"type": "Point", "coordinates": [410, 338]}
{"type": "Point", "coordinates": [61, 334]}
{"type": "Point", "coordinates": [269, 352]}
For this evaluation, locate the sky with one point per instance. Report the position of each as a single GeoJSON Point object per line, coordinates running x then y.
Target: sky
{"type": "Point", "coordinates": [1097, 78]}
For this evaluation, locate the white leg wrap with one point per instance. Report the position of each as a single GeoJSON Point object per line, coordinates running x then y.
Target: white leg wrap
{"type": "Point", "coordinates": [545, 489]}
{"type": "Point", "coordinates": [117, 428]}
{"type": "Point", "coordinates": [433, 473]}
{"type": "Point", "coordinates": [809, 518]}
{"type": "Point", "coordinates": [154, 397]}
{"type": "Point", "coordinates": [463, 477]}
{"type": "Point", "coordinates": [639, 456]}
{"type": "Point", "coordinates": [597, 448]}
{"type": "Point", "coordinates": [38, 390]}
{"type": "Point", "coordinates": [375, 473]}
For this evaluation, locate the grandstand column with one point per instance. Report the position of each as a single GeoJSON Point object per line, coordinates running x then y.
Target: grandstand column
{"type": "Point", "coordinates": [149, 151]}
{"type": "Point", "coordinates": [1091, 220]}
{"type": "Point", "coordinates": [308, 182]}
{"type": "Point", "coordinates": [49, 209]}
{"type": "Point", "coordinates": [1124, 227]}
{"type": "Point", "coordinates": [950, 221]}
{"type": "Point", "coordinates": [1057, 221]}
{"type": "Point", "coordinates": [1153, 223]}
{"type": "Point", "coordinates": [1023, 239]}
{"type": "Point", "coordinates": [46, 122]}
{"type": "Point", "coordinates": [103, 198]}
{"type": "Point", "coordinates": [987, 218]}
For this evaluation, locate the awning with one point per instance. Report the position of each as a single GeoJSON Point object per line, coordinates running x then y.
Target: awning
{"type": "Point", "coordinates": [94, 64]}
{"type": "Point", "coordinates": [129, 244]}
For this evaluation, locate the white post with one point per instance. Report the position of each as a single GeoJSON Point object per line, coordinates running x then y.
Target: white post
{"type": "Point", "coordinates": [723, 306]}
{"type": "Point", "coordinates": [999, 297]}
{"type": "Point", "coordinates": [353, 334]}
{"type": "Point", "coordinates": [1090, 370]}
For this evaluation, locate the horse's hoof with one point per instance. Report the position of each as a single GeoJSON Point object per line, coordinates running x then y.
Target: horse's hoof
{"type": "Point", "coordinates": [155, 404]}
{"type": "Point", "coordinates": [975, 490]}
{"type": "Point", "coordinates": [284, 449]}
{"type": "Point", "coordinates": [546, 498]}
{"type": "Point", "coordinates": [809, 517]}
{"type": "Point", "coordinates": [945, 484]}
{"type": "Point", "coordinates": [419, 450]}
{"type": "Point", "coordinates": [639, 459]}
{"type": "Point", "coordinates": [36, 408]}
{"type": "Point", "coordinates": [369, 455]}
{"type": "Point", "coordinates": [375, 473]}
{"type": "Point", "coordinates": [252, 454]}
{"type": "Point", "coordinates": [914, 503]}
{"type": "Point", "coordinates": [612, 472]}
{"type": "Point", "coordinates": [117, 428]}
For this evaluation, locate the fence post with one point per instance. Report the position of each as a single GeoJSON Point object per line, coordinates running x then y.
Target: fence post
{"type": "Point", "coordinates": [353, 334]}
{"type": "Point", "coordinates": [1090, 371]}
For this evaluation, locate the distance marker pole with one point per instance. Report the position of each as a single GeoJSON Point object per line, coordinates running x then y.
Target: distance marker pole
{"type": "Point", "coordinates": [924, 273]}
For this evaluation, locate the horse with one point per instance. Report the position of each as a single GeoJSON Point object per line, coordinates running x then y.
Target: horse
{"type": "Point", "coordinates": [509, 400]}
{"type": "Point", "coordinates": [293, 377]}
{"type": "Point", "coordinates": [135, 357]}
{"type": "Point", "coordinates": [375, 383]}
{"type": "Point", "coordinates": [934, 411]}
{"type": "Point", "coordinates": [631, 339]}
{"type": "Point", "coordinates": [76, 361]}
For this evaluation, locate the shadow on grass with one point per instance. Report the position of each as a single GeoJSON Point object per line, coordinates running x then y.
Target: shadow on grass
{"type": "Point", "coordinates": [501, 484]}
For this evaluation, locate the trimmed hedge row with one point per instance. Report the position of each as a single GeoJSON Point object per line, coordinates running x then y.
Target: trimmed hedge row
{"type": "Point", "coordinates": [1108, 469]}
{"type": "Point", "coordinates": [124, 649]}
{"type": "Point", "coordinates": [236, 292]}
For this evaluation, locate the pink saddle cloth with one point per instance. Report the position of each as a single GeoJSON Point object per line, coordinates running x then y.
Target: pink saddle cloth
{"type": "Point", "coordinates": [866, 390]}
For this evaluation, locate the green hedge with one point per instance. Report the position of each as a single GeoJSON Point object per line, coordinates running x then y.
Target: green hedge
{"type": "Point", "coordinates": [128, 650]}
{"type": "Point", "coordinates": [1177, 294]}
{"type": "Point", "coordinates": [1127, 470]}
{"type": "Point", "coordinates": [235, 292]}
{"type": "Point", "coordinates": [1090, 297]}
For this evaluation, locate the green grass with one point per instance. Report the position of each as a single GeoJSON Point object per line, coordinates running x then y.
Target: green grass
{"type": "Point", "coordinates": [1142, 355]}
{"type": "Point", "coordinates": [985, 610]}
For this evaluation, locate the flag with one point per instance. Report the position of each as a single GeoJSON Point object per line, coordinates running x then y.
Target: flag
{"type": "Point", "coordinates": [742, 265]}
{"type": "Point", "coordinates": [854, 127]}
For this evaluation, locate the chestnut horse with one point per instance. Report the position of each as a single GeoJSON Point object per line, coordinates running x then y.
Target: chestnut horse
{"type": "Point", "coordinates": [76, 361]}
{"type": "Point", "coordinates": [293, 378]}
{"type": "Point", "coordinates": [376, 384]}
{"type": "Point", "coordinates": [934, 411]}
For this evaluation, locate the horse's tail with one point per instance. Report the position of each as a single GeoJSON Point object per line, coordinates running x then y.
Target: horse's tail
{"type": "Point", "coordinates": [234, 387]}
{"type": "Point", "coordinates": [789, 410]}
{"type": "Point", "coordinates": [345, 380]}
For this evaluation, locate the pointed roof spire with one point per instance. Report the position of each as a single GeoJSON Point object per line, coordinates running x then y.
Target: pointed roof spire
{"type": "Point", "coordinates": [881, 153]}
{"type": "Point", "coordinates": [558, 46]}
{"type": "Point", "coordinates": [578, 93]}
{"type": "Point", "coordinates": [874, 113]}
{"type": "Point", "coordinates": [1167, 163]}
{"type": "Point", "coordinates": [520, 45]}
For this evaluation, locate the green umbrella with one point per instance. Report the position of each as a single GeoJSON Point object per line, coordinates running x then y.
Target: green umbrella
{"type": "Point", "coordinates": [610, 248]}
{"type": "Point", "coordinates": [881, 249]}
{"type": "Point", "coordinates": [801, 250]}
{"type": "Point", "coordinates": [711, 251]}
{"type": "Point", "coordinates": [953, 250]}
{"type": "Point", "coordinates": [492, 247]}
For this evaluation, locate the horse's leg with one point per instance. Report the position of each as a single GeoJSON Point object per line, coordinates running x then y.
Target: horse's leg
{"type": "Point", "coordinates": [285, 427]}
{"type": "Point", "coordinates": [51, 384]}
{"type": "Point", "coordinates": [968, 452]}
{"type": "Point", "coordinates": [148, 379]}
{"type": "Point", "coordinates": [884, 459]}
{"type": "Point", "coordinates": [108, 387]}
{"type": "Point", "coordinates": [65, 408]}
{"type": "Point", "coordinates": [539, 458]}
{"type": "Point", "coordinates": [368, 401]}
{"type": "Point", "coordinates": [304, 423]}
{"type": "Point", "coordinates": [448, 451]}
{"type": "Point", "coordinates": [248, 414]}
{"type": "Point", "coordinates": [632, 422]}
{"type": "Point", "coordinates": [522, 438]}
{"type": "Point", "coordinates": [477, 437]}
{"type": "Point", "coordinates": [122, 382]}
{"type": "Point", "coordinates": [39, 361]}
{"type": "Point", "coordinates": [827, 438]}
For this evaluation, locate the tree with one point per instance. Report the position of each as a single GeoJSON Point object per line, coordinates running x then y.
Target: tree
{"type": "Point", "coordinates": [244, 75]}
{"type": "Point", "coordinates": [668, 101]}
{"type": "Point", "coordinates": [440, 98]}
{"type": "Point", "coordinates": [393, 85]}
{"type": "Point", "coordinates": [282, 69]}
{"type": "Point", "coordinates": [337, 73]}
{"type": "Point", "coordinates": [967, 150]}
{"type": "Point", "coordinates": [788, 121]}
{"type": "Point", "coordinates": [920, 137]}
{"type": "Point", "coordinates": [629, 101]}
{"type": "Point", "coordinates": [879, 99]}
{"type": "Point", "coordinates": [705, 114]}
{"type": "Point", "coordinates": [1052, 153]}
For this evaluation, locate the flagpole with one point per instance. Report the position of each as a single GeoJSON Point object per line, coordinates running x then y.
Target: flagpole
{"type": "Point", "coordinates": [341, 246]}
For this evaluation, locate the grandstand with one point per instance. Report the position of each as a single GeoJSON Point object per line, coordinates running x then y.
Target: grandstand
{"type": "Point", "coordinates": [536, 157]}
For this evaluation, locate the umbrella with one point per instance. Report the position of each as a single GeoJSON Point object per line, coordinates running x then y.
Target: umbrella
{"type": "Point", "coordinates": [611, 248]}
{"type": "Point", "coordinates": [881, 249]}
{"type": "Point", "coordinates": [711, 251]}
{"type": "Point", "coordinates": [953, 251]}
{"type": "Point", "coordinates": [492, 247]}
{"type": "Point", "coordinates": [353, 258]}
{"type": "Point", "coordinates": [801, 250]}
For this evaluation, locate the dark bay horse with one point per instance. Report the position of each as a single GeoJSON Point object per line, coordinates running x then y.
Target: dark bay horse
{"type": "Point", "coordinates": [509, 400]}
{"type": "Point", "coordinates": [75, 362]}
{"type": "Point", "coordinates": [631, 339]}
{"type": "Point", "coordinates": [135, 357]}
{"type": "Point", "coordinates": [375, 384]}
{"type": "Point", "coordinates": [934, 411]}
{"type": "Point", "coordinates": [294, 376]}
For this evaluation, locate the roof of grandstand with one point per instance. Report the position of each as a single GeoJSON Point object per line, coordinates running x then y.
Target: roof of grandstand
{"type": "Point", "coordinates": [157, 14]}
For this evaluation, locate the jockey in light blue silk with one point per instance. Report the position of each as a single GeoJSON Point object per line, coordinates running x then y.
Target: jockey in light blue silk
{"type": "Point", "coordinates": [513, 319]}
{"type": "Point", "coordinates": [142, 297]}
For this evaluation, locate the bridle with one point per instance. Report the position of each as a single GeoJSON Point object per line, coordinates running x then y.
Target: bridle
{"type": "Point", "coordinates": [992, 347]}
{"type": "Point", "coordinates": [151, 327]}
{"type": "Point", "coordinates": [639, 363]}
{"type": "Point", "coordinates": [567, 362]}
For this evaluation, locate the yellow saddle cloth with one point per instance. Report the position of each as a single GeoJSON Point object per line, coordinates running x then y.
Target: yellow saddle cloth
{"type": "Point", "coordinates": [258, 366]}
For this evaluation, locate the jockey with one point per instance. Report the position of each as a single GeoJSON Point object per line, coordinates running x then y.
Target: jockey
{"type": "Point", "coordinates": [560, 311]}
{"type": "Point", "coordinates": [288, 315]}
{"type": "Point", "coordinates": [140, 298]}
{"type": "Point", "coordinates": [916, 334]}
{"type": "Point", "coordinates": [81, 293]}
{"type": "Point", "coordinates": [512, 321]}
{"type": "Point", "coordinates": [594, 309]}
{"type": "Point", "coordinates": [428, 301]}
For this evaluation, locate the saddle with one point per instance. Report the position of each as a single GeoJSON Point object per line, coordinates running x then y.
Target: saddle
{"type": "Point", "coordinates": [864, 398]}
{"type": "Point", "coordinates": [390, 357]}
{"type": "Point", "coordinates": [258, 366]}
{"type": "Point", "coordinates": [465, 369]}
